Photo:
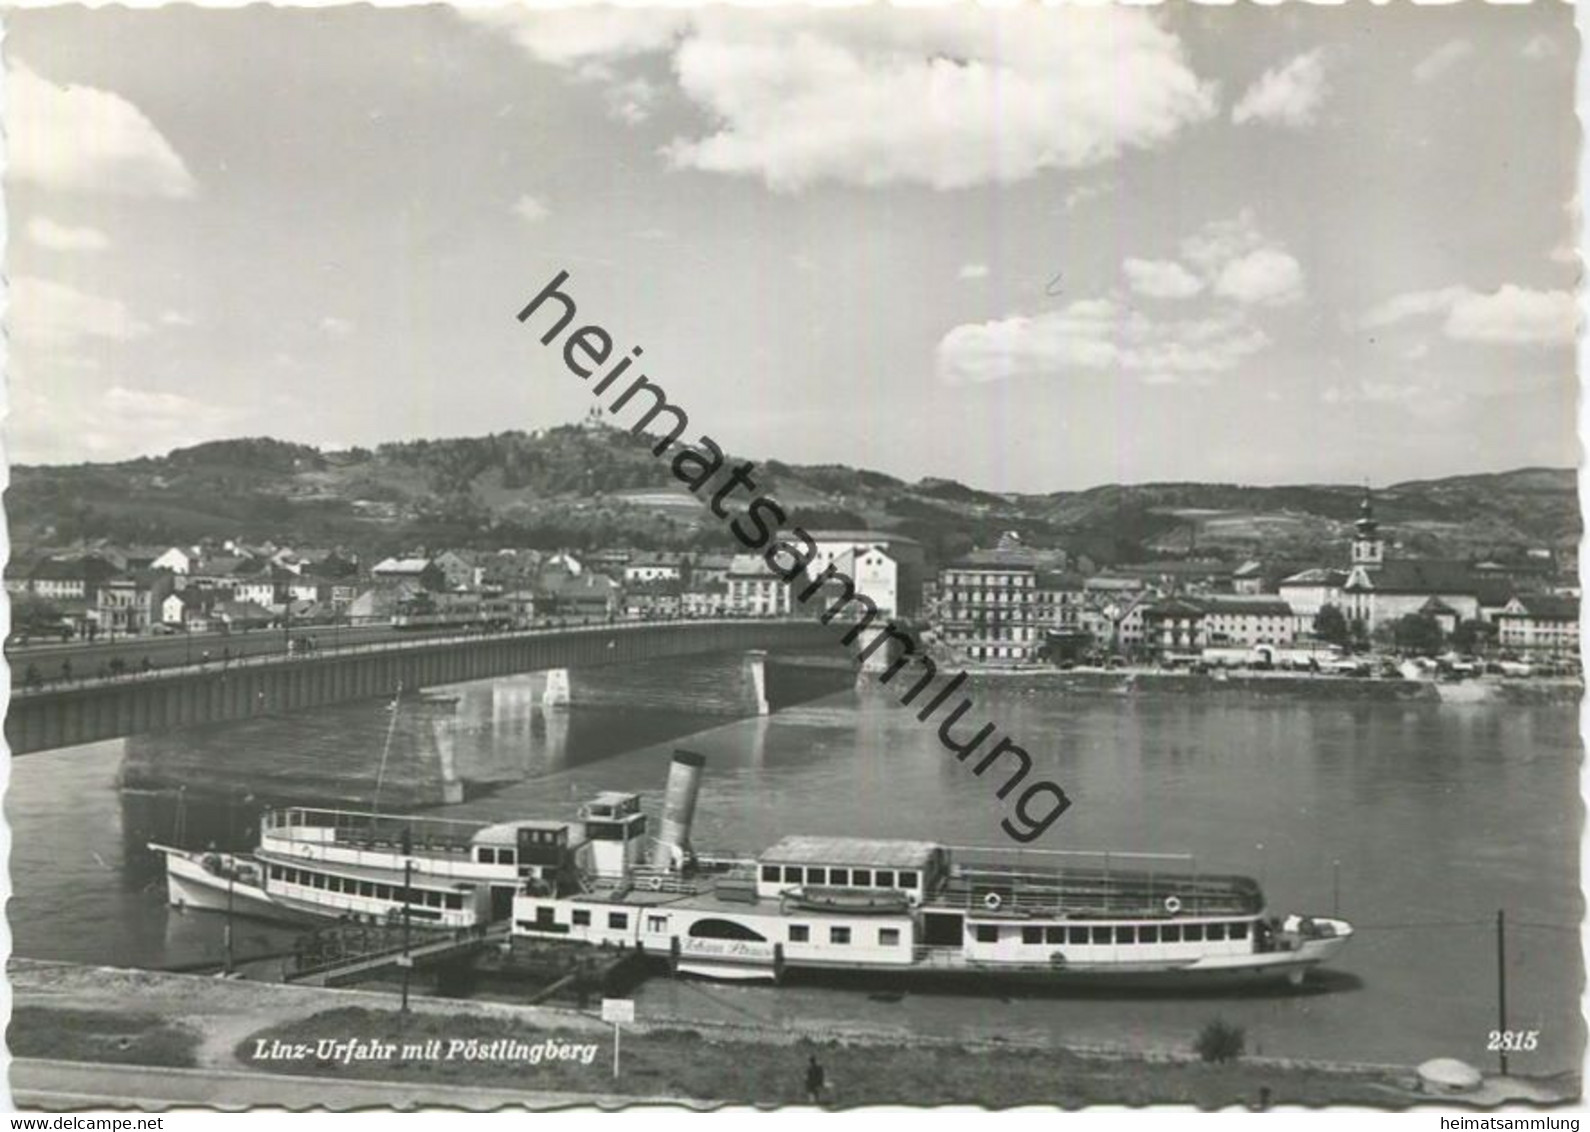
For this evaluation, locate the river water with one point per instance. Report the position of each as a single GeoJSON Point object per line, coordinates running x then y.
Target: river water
{"type": "Point", "coordinates": [1419, 821]}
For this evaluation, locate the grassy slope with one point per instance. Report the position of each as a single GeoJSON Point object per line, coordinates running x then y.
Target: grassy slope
{"type": "Point", "coordinates": [686, 1064]}
{"type": "Point", "coordinates": [132, 1038]}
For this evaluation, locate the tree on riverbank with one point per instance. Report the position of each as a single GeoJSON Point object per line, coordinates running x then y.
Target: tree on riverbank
{"type": "Point", "coordinates": [1417, 633]}
{"type": "Point", "coordinates": [1473, 636]}
{"type": "Point", "coordinates": [1330, 626]}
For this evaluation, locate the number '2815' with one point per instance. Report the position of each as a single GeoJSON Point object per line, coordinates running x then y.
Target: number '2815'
{"type": "Point", "coordinates": [1513, 1041]}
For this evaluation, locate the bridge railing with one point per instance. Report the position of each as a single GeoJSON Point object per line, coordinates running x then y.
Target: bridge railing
{"type": "Point", "coordinates": [24, 688]}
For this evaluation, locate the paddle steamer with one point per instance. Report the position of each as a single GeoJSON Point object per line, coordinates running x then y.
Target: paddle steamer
{"type": "Point", "coordinates": [913, 909]}
{"type": "Point", "coordinates": [909, 909]}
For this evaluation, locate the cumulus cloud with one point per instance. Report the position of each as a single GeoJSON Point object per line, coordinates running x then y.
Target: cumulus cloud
{"type": "Point", "coordinates": [64, 238]}
{"type": "Point", "coordinates": [73, 417]}
{"type": "Point", "coordinates": [530, 210]}
{"type": "Point", "coordinates": [584, 35]}
{"type": "Point", "coordinates": [1080, 195]}
{"type": "Point", "coordinates": [1509, 315]}
{"type": "Point", "coordinates": [1442, 60]}
{"type": "Point", "coordinates": [1285, 96]}
{"type": "Point", "coordinates": [335, 327]}
{"type": "Point", "coordinates": [56, 316]}
{"type": "Point", "coordinates": [1095, 337]}
{"type": "Point", "coordinates": [1516, 315]}
{"type": "Point", "coordinates": [631, 102]}
{"type": "Point", "coordinates": [1240, 263]}
{"type": "Point", "coordinates": [1268, 276]}
{"type": "Point", "coordinates": [1236, 272]}
{"type": "Point", "coordinates": [1161, 278]}
{"type": "Point", "coordinates": [1221, 241]}
{"type": "Point", "coordinates": [1541, 46]}
{"type": "Point", "coordinates": [950, 98]}
{"type": "Point", "coordinates": [973, 271]}
{"type": "Point", "coordinates": [82, 139]}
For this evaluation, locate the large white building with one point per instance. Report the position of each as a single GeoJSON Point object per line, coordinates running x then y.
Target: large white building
{"type": "Point", "coordinates": [1539, 625]}
{"type": "Point", "coordinates": [985, 606]}
{"type": "Point", "coordinates": [1247, 620]}
{"type": "Point", "coordinates": [755, 590]}
{"type": "Point", "coordinates": [893, 565]}
{"type": "Point", "coordinates": [877, 577]}
{"type": "Point", "coordinates": [1312, 590]}
{"type": "Point", "coordinates": [176, 560]}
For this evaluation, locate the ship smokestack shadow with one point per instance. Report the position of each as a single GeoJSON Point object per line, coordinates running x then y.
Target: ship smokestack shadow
{"type": "Point", "coordinates": [672, 846]}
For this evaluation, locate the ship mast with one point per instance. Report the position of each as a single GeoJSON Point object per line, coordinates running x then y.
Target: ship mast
{"type": "Point", "coordinates": [386, 749]}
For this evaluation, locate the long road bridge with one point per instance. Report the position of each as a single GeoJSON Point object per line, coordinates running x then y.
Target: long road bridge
{"type": "Point", "coordinates": [64, 713]}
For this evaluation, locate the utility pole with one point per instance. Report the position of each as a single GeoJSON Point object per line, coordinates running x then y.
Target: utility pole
{"type": "Point", "coordinates": [408, 879]}
{"type": "Point", "coordinates": [231, 879]}
{"type": "Point", "coordinates": [1501, 987]}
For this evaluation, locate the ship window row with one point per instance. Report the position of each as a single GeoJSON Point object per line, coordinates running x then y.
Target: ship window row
{"type": "Point", "coordinates": [369, 889]}
{"type": "Point", "coordinates": [802, 933]}
{"type": "Point", "coordinates": [1104, 934]}
{"type": "Point", "coordinates": [847, 878]}
{"type": "Point", "coordinates": [486, 855]}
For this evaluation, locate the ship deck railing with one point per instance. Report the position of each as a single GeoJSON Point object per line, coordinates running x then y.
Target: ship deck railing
{"type": "Point", "coordinates": [1092, 892]}
{"type": "Point", "coordinates": [377, 831]}
{"type": "Point", "coordinates": [645, 878]}
{"type": "Point", "coordinates": [721, 861]}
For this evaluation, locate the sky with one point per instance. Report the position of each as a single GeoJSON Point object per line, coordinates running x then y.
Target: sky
{"type": "Point", "coordinates": [1029, 249]}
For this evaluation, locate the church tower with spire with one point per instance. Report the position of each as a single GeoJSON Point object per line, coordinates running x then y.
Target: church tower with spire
{"type": "Point", "coordinates": [1368, 550]}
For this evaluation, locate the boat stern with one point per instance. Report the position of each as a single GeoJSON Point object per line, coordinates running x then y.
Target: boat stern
{"type": "Point", "coordinates": [1321, 938]}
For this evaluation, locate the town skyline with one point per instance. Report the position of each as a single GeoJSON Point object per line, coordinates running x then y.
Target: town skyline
{"type": "Point", "coordinates": [1252, 225]}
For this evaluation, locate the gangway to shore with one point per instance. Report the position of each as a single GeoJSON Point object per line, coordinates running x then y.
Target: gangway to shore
{"type": "Point", "coordinates": [349, 968]}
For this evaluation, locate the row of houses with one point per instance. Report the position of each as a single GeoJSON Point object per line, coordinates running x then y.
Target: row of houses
{"type": "Point", "coordinates": [1011, 605]}
{"type": "Point", "coordinates": [106, 591]}
{"type": "Point", "coordinates": [1008, 604]}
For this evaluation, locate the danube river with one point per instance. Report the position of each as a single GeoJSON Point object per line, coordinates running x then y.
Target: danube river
{"type": "Point", "coordinates": [1416, 821]}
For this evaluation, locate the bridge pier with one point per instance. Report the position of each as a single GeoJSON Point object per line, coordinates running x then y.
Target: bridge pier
{"type": "Point", "coordinates": [452, 785]}
{"type": "Point", "coordinates": [557, 690]}
{"type": "Point", "coordinates": [879, 660]}
{"type": "Point", "coordinates": [753, 666]}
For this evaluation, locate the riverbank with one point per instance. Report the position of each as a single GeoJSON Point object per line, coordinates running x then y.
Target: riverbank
{"type": "Point", "coordinates": [1277, 685]}
{"type": "Point", "coordinates": [232, 1025]}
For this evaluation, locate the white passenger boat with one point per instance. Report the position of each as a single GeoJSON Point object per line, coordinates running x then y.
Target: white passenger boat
{"type": "Point", "coordinates": [347, 865]}
{"type": "Point", "coordinates": [914, 910]}
{"type": "Point", "coordinates": [216, 882]}
{"type": "Point", "coordinates": [911, 909]}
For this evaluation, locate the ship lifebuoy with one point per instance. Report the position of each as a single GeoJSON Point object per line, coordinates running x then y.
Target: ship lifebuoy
{"type": "Point", "coordinates": [651, 884]}
{"type": "Point", "coordinates": [992, 902]}
{"type": "Point", "coordinates": [1173, 904]}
